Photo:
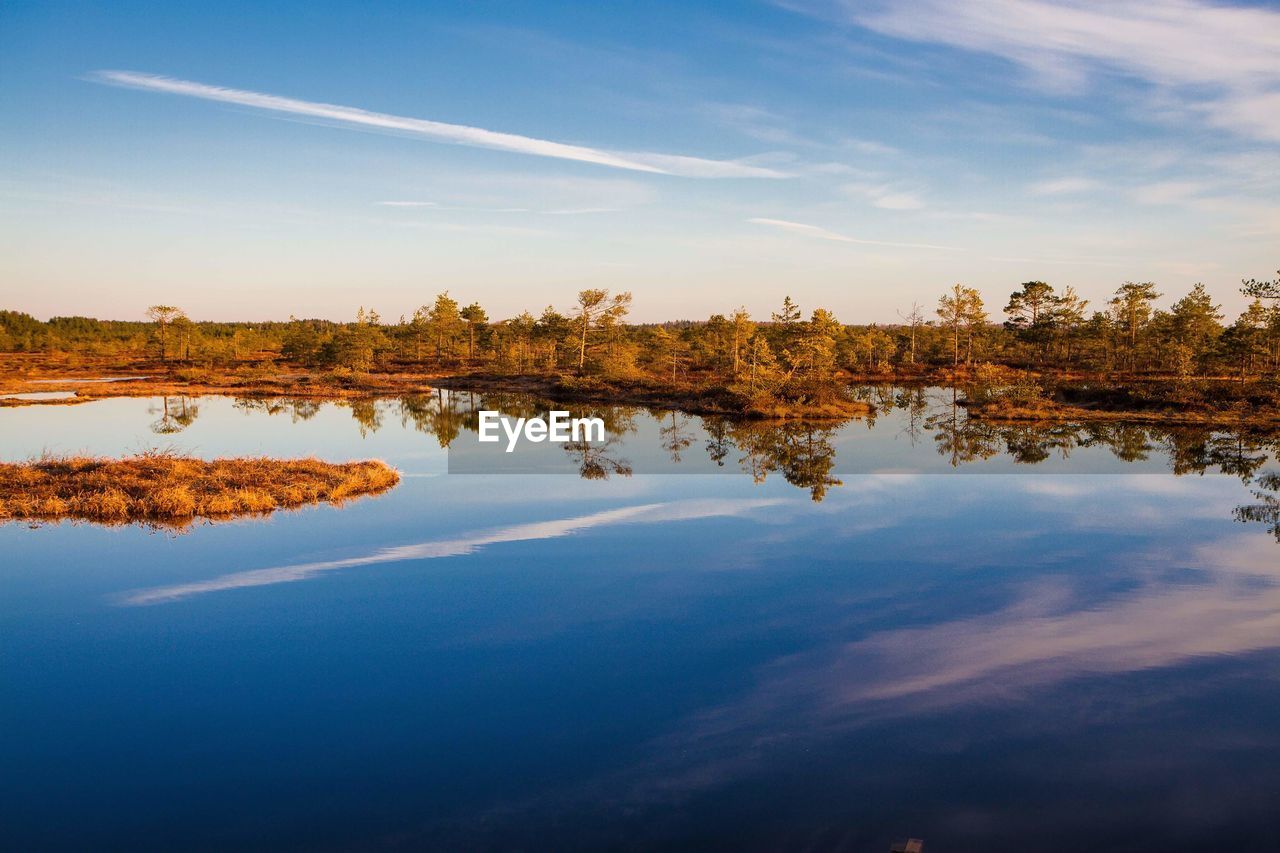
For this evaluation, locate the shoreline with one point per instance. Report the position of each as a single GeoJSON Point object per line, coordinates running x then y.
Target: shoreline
{"type": "Point", "coordinates": [1066, 414]}
{"type": "Point", "coordinates": [1217, 401]}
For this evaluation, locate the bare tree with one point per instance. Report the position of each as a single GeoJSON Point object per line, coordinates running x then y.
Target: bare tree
{"type": "Point", "coordinates": [914, 319]}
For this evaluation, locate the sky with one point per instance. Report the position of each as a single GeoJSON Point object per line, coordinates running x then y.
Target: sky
{"type": "Point", "coordinates": [256, 161]}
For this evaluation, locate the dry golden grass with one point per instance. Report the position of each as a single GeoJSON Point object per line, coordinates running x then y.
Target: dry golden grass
{"type": "Point", "coordinates": [165, 489]}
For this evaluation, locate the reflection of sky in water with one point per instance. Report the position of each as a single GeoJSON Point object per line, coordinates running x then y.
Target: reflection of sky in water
{"type": "Point", "coordinates": [1063, 662]}
{"type": "Point", "coordinates": [913, 431]}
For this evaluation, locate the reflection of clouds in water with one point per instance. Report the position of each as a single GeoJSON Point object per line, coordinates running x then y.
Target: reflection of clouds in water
{"type": "Point", "coordinates": [1031, 643]}
{"type": "Point", "coordinates": [1007, 510]}
{"type": "Point", "coordinates": [1028, 644]}
{"type": "Point", "coordinates": [1124, 503]}
{"type": "Point", "coordinates": [686, 510]}
{"type": "Point", "coordinates": [1233, 608]}
{"type": "Point", "coordinates": [1053, 632]}
{"type": "Point", "coordinates": [1249, 555]}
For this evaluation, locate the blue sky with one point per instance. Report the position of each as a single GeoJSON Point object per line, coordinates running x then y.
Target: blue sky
{"type": "Point", "coordinates": [261, 160]}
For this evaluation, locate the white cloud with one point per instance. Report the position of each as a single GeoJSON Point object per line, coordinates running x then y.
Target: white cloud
{"type": "Point", "coordinates": [885, 197]}
{"type": "Point", "coordinates": [898, 201]}
{"type": "Point", "coordinates": [431, 205]}
{"type": "Point", "coordinates": [1216, 59]}
{"type": "Point", "coordinates": [581, 211]}
{"type": "Point", "coordinates": [823, 234]}
{"type": "Point", "coordinates": [1065, 186]}
{"type": "Point", "coordinates": [666, 164]}
{"type": "Point", "coordinates": [870, 146]}
{"type": "Point", "coordinates": [1167, 192]}
{"type": "Point", "coordinates": [565, 211]}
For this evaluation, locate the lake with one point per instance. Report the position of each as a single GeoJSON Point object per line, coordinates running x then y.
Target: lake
{"type": "Point", "coordinates": [699, 634]}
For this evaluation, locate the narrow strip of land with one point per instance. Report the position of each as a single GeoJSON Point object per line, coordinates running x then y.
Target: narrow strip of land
{"type": "Point", "coordinates": [170, 490]}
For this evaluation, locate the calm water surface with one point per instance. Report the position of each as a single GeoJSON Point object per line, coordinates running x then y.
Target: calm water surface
{"type": "Point", "coordinates": [700, 635]}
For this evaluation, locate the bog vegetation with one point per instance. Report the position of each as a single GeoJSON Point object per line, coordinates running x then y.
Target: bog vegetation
{"type": "Point", "coordinates": [789, 356]}
{"type": "Point", "coordinates": [166, 489]}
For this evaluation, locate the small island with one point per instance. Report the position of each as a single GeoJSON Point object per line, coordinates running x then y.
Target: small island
{"type": "Point", "coordinates": [164, 489]}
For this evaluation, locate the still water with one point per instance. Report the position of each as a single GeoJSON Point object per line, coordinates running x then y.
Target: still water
{"type": "Point", "coordinates": [700, 635]}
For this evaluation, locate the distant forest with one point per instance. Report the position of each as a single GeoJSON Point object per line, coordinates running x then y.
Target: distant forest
{"type": "Point", "coordinates": [1042, 328]}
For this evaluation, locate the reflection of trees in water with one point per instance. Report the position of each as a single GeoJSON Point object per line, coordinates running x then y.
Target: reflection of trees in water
{"type": "Point", "coordinates": [445, 414]}
{"type": "Point", "coordinates": [298, 409]}
{"type": "Point", "coordinates": [915, 403]}
{"type": "Point", "coordinates": [618, 420]}
{"type": "Point", "coordinates": [599, 460]}
{"type": "Point", "coordinates": [595, 459]}
{"type": "Point", "coordinates": [674, 434]}
{"type": "Point", "coordinates": [1127, 442]}
{"type": "Point", "coordinates": [441, 414]}
{"type": "Point", "coordinates": [176, 414]}
{"type": "Point", "coordinates": [1197, 450]}
{"type": "Point", "coordinates": [960, 438]}
{"type": "Point", "coordinates": [804, 455]}
{"type": "Point", "coordinates": [367, 413]}
{"type": "Point", "coordinates": [1268, 510]}
{"type": "Point", "coordinates": [1029, 444]}
{"type": "Point", "coordinates": [304, 410]}
{"type": "Point", "coordinates": [1189, 449]}
{"type": "Point", "coordinates": [801, 452]}
{"type": "Point", "coordinates": [719, 443]}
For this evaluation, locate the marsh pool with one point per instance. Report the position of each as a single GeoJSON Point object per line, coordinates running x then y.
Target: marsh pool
{"type": "Point", "coordinates": [701, 634]}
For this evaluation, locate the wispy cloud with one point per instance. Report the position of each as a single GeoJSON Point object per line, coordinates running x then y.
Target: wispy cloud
{"type": "Point", "coordinates": [1071, 261]}
{"type": "Point", "coordinates": [581, 211]}
{"type": "Point", "coordinates": [819, 233]}
{"type": "Point", "coordinates": [1213, 58]}
{"type": "Point", "coordinates": [885, 197]}
{"type": "Point", "coordinates": [562, 211]}
{"type": "Point", "coordinates": [1167, 192]}
{"type": "Point", "coordinates": [456, 547]}
{"type": "Point", "coordinates": [1065, 186]}
{"type": "Point", "coordinates": [431, 205]}
{"type": "Point", "coordinates": [664, 164]}
{"type": "Point", "coordinates": [758, 123]}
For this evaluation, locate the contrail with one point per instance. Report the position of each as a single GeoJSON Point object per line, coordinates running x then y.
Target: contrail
{"type": "Point", "coordinates": [661, 164]}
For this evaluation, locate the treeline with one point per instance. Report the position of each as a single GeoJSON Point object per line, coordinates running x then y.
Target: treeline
{"type": "Point", "coordinates": [182, 340]}
{"type": "Point", "coordinates": [1039, 327]}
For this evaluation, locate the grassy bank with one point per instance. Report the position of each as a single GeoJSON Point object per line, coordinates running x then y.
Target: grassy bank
{"type": "Point", "coordinates": [1050, 412]}
{"type": "Point", "coordinates": [996, 393]}
{"type": "Point", "coordinates": [700, 395]}
{"type": "Point", "coordinates": [692, 398]}
{"type": "Point", "coordinates": [1214, 402]}
{"type": "Point", "coordinates": [166, 489]}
